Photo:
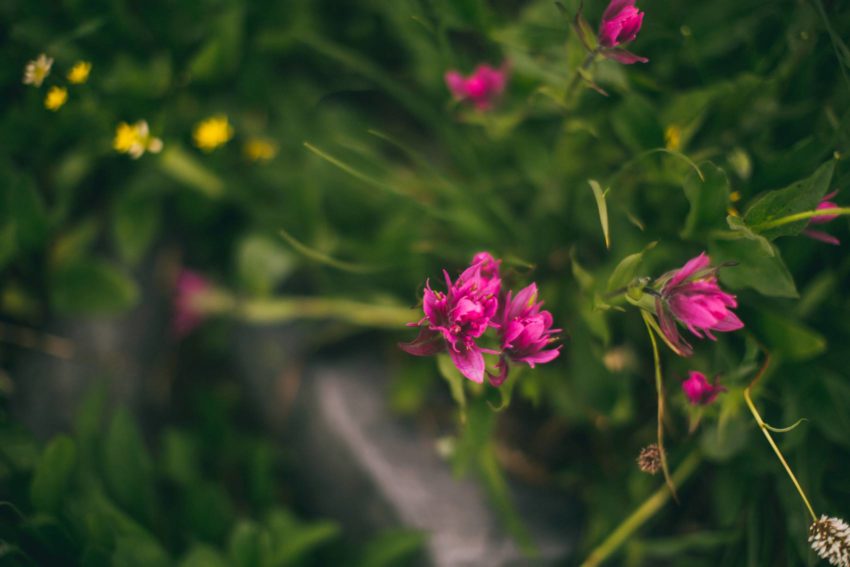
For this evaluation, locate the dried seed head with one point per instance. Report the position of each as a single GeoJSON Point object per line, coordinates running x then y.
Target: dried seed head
{"type": "Point", "coordinates": [649, 459]}
{"type": "Point", "coordinates": [830, 538]}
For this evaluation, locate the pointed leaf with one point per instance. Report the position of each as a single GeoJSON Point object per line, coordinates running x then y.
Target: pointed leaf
{"type": "Point", "coordinates": [709, 199]}
{"type": "Point", "coordinates": [800, 196]}
{"type": "Point", "coordinates": [602, 209]}
{"type": "Point", "coordinates": [53, 474]}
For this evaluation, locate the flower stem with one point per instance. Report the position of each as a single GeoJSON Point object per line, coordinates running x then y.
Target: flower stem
{"type": "Point", "coordinates": [659, 388]}
{"type": "Point", "coordinates": [764, 429]}
{"type": "Point", "coordinates": [838, 211]}
{"type": "Point", "coordinates": [585, 65]}
{"type": "Point", "coordinates": [326, 308]}
{"type": "Point", "coordinates": [640, 516]}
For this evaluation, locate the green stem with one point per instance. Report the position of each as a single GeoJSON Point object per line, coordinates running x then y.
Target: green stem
{"type": "Point", "coordinates": [355, 312]}
{"type": "Point", "coordinates": [838, 211]}
{"type": "Point", "coordinates": [585, 65]}
{"type": "Point", "coordinates": [764, 429]}
{"type": "Point", "coordinates": [640, 516]}
{"type": "Point", "coordinates": [659, 388]}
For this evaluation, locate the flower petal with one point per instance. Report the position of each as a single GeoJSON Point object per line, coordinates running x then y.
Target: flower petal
{"type": "Point", "coordinates": [427, 343]}
{"type": "Point", "coordinates": [470, 362]}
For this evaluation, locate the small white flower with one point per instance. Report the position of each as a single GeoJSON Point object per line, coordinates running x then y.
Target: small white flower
{"type": "Point", "coordinates": [830, 538]}
{"type": "Point", "coordinates": [37, 70]}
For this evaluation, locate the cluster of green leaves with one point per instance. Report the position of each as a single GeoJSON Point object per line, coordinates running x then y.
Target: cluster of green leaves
{"type": "Point", "coordinates": [740, 98]}
{"type": "Point", "coordinates": [209, 495]}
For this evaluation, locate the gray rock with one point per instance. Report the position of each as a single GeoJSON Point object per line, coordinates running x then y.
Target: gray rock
{"type": "Point", "coordinates": [370, 471]}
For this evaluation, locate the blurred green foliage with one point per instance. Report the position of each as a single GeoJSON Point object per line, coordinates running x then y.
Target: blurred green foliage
{"type": "Point", "coordinates": [380, 181]}
{"type": "Point", "coordinates": [100, 497]}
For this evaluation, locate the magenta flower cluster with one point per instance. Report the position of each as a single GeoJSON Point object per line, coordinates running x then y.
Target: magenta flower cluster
{"type": "Point", "coordinates": [692, 297]}
{"type": "Point", "coordinates": [455, 321]}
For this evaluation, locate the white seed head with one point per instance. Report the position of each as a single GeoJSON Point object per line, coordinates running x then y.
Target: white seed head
{"type": "Point", "coordinates": [830, 538]}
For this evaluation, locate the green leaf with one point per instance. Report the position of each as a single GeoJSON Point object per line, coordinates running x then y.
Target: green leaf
{"type": "Point", "coordinates": [723, 439]}
{"type": "Point", "coordinates": [221, 53]}
{"type": "Point", "coordinates": [635, 123]}
{"type": "Point", "coordinates": [263, 263]}
{"type": "Point", "coordinates": [583, 277]}
{"type": "Point", "coordinates": [179, 460]}
{"type": "Point", "coordinates": [293, 541]}
{"type": "Point", "coordinates": [791, 339]}
{"type": "Point", "coordinates": [203, 556]}
{"type": "Point", "coordinates": [178, 164]}
{"type": "Point", "coordinates": [397, 547]}
{"type": "Point", "coordinates": [602, 209]}
{"type": "Point", "coordinates": [801, 196]}
{"type": "Point", "coordinates": [25, 206]}
{"type": "Point", "coordinates": [455, 379]}
{"type": "Point", "coordinates": [135, 551]}
{"type": "Point", "coordinates": [92, 286]}
{"type": "Point", "coordinates": [244, 547]}
{"type": "Point", "coordinates": [627, 269]}
{"type": "Point", "coordinates": [8, 242]}
{"type": "Point", "coordinates": [88, 423]}
{"type": "Point", "coordinates": [709, 199]}
{"type": "Point", "coordinates": [767, 274]}
{"type": "Point", "coordinates": [135, 222]}
{"type": "Point", "coordinates": [207, 510]}
{"type": "Point", "coordinates": [53, 474]}
{"type": "Point", "coordinates": [825, 397]}
{"type": "Point", "coordinates": [127, 467]}
{"type": "Point", "coordinates": [73, 244]}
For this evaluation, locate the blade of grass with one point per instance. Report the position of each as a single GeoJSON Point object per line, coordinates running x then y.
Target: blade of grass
{"type": "Point", "coordinates": [327, 260]}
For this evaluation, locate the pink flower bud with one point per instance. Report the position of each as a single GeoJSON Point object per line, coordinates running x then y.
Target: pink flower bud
{"type": "Point", "coordinates": [483, 87]}
{"type": "Point", "coordinates": [620, 25]}
{"type": "Point", "coordinates": [698, 391]}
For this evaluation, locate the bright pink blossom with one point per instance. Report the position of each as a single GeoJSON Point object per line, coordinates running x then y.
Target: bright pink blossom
{"type": "Point", "coordinates": [698, 391]}
{"type": "Point", "coordinates": [620, 25]}
{"type": "Point", "coordinates": [483, 87]}
{"type": "Point", "coordinates": [455, 319]}
{"type": "Point", "coordinates": [692, 297]}
{"type": "Point", "coordinates": [524, 332]}
{"type": "Point", "coordinates": [189, 287]}
{"type": "Point", "coordinates": [822, 219]}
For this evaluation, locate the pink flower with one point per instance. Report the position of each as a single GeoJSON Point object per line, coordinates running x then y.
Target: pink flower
{"type": "Point", "coordinates": [692, 297]}
{"type": "Point", "coordinates": [620, 25]}
{"type": "Point", "coordinates": [524, 332]}
{"type": "Point", "coordinates": [455, 319]}
{"type": "Point", "coordinates": [698, 391]}
{"type": "Point", "coordinates": [483, 87]}
{"type": "Point", "coordinates": [822, 219]}
{"type": "Point", "coordinates": [190, 285]}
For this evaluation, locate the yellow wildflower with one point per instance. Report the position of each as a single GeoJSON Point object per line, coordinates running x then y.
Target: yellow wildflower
{"type": "Point", "coordinates": [673, 137]}
{"type": "Point", "coordinates": [55, 98]}
{"type": "Point", "coordinates": [735, 196]}
{"type": "Point", "coordinates": [260, 149]}
{"type": "Point", "coordinates": [79, 73]}
{"type": "Point", "coordinates": [212, 133]}
{"type": "Point", "coordinates": [37, 70]}
{"type": "Point", "coordinates": [135, 139]}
